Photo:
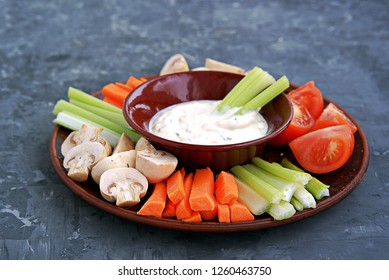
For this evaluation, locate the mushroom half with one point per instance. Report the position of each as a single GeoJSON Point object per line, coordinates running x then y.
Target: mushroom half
{"type": "Point", "coordinates": [175, 64]}
{"type": "Point", "coordinates": [125, 186]}
{"type": "Point", "coordinates": [80, 159]}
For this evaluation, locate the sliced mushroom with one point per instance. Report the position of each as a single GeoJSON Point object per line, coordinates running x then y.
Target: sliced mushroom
{"type": "Point", "coordinates": [80, 159]}
{"type": "Point", "coordinates": [144, 144]}
{"type": "Point", "coordinates": [125, 186]}
{"type": "Point", "coordinates": [221, 66]}
{"type": "Point", "coordinates": [156, 165]}
{"type": "Point", "coordinates": [176, 63]}
{"type": "Point", "coordinates": [124, 144]}
{"type": "Point", "coordinates": [123, 159]}
{"type": "Point", "coordinates": [85, 134]}
{"type": "Point", "coordinates": [201, 68]}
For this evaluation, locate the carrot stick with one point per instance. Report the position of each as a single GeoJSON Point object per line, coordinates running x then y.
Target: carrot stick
{"type": "Point", "coordinates": [240, 213]}
{"type": "Point", "coordinates": [195, 217]}
{"type": "Point", "coordinates": [114, 92]}
{"type": "Point", "coordinates": [155, 204]}
{"type": "Point", "coordinates": [133, 82]}
{"type": "Point", "coordinates": [124, 86]}
{"type": "Point", "coordinates": [113, 102]}
{"type": "Point", "coordinates": [223, 213]}
{"type": "Point", "coordinates": [175, 187]}
{"type": "Point", "coordinates": [226, 189]}
{"type": "Point", "coordinates": [202, 194]}
{"type": "Point", "coordinates": [183, 210]}
{"type": "Point", "coordinates": [210, 214]}
{"type": "Point", "coordinates": [170, 209]}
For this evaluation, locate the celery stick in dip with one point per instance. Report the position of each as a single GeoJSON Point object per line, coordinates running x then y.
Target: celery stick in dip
{"type": "Point", "coordinates": [198, 122]}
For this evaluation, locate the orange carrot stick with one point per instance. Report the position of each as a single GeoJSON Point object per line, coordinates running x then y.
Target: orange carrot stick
{"type": "Point", "coordinates": [183, 210]}
{"type": "Point", "coordinates": [175, 187]}
{"type": "Point", "coordinates": [155, 204]}
{"type": "Point", "coordinates": [133, 82]}
{"type": "Point", "coordinates": [114, 92]}
{"type": "Point", "coordinates": [210, 214]}
{"type": "Point", "coordinates": [202, 193]}
{"type": "Point", "coordinates": [223, 213]}
{"type": "Point", "coordinates": [226, 189]}
{"type": "Point", "coordinates": [124, 86]}
{"type": "Point", "coordinates": [195, 217]}
{"type": "Point", "coordinates": [240, 213]}
{"type": "Point", "coordinates": [170, 209]}
{"type": "Point", "coordinates": [113, 102]}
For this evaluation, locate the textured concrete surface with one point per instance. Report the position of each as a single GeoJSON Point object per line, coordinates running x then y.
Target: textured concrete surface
{"type": "Point", "coordinates": [47, 46]}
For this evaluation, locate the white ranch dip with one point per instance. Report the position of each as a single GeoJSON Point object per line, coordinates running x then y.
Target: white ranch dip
{"type": "Point", "coordinates": [198, 122]}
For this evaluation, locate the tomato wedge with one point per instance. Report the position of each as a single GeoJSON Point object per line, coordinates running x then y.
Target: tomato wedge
{"type": "Point", "coordinates": [324, 150]}
{"type": "Point", "coordinates": [331, 116]}
{"type": "Point", "coordinates": [301, 124]}
{"type": "Point", "coordinates": [310, 97]}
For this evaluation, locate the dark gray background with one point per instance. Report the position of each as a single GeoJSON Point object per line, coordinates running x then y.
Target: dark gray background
{"type": "Point", "coordinates": [47, 46]}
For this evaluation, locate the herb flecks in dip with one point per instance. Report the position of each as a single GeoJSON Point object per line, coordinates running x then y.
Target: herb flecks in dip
{"type": "Point", "coordinates": [198, 122]}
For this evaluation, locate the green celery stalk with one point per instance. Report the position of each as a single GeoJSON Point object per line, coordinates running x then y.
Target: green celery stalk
{"type": "Point", "coordinates": [305, 197]}
{"type": "Point", "coordinates": [74, 122]}
{"type": "Point", "coordinates": [280, 171]}
{"type": "Point", "coordinates": [86, 98]}
{"type": "Point", "coordinates": [282, 210]}
{"type": "Point", "coordinates": [63, 105]}
{"type": "Point", "coordinates": [267, 191]}
{"type": "Point", "coordinates": [287, 188]}
{"type": "Point", "coordinates": [317, 188]}
{"type": "Point", "coordinates": [109, 115]}
{"type": "Point", "coordinates": [265, 96]}
{"type": "Point", "coordinates": [296, 204]}
{"type": "Point", "coordinates": [252, 83]}
{"type": "Point", "coordinates": [253, 201]}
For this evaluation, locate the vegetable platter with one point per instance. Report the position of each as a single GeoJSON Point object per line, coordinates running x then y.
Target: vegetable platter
{"type": "Point", "coordinates": [342, 181]}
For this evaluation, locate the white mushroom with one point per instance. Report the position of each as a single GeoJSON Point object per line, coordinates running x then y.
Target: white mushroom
{"type": "Point", "coordinates": [125, 186]}
{"type": "Point", "coordinates": [80, 159]}
{"type": "Point", "coordinates": [144, 144]}
{"type": "Point", "coordinates": [176, 63]}
{"type": "Point", "coordinates": [221, 66]}
{"type": "Point", "coordinates": [85, 134]}
{"type": "Point", "coordinates": [123, 159]}
{"type": "Point", "coordinates": [124, 144]}
{"type": "Point", "coordinates": [156, 165]}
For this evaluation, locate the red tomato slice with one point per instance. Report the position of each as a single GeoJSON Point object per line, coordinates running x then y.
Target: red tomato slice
{"type": "Point", "coordinates": [310, 97]}
{"type": "Point", "coordinates": [301, 124]}
{"type": "Point", "coordinates": [331, 116]}
{"type": "Point", "coordinates": [324, 150]}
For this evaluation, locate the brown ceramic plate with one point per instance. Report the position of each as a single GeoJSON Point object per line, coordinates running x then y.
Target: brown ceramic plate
{"type": "Point", "coordinates": [343, 181]}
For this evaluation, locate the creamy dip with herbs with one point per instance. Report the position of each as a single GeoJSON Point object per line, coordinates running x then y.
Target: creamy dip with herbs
{"type": "Point", "coordinates": [199, 122]}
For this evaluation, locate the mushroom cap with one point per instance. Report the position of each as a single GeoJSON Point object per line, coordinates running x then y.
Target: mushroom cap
{"type": "Point", "coordinates": [176, 63]}
{"type": "Point", "coordinates": [125, 186]}
{"type": "Point", "coordinates": [124, 144]}
{"type": "Point", "coordinates": [85, 134]}
{"type": "Point", "coordinates": [80, 159]}
{"type": "Point", "coordinates": [156, 165]}
{"type": "Point", "coordinates": [122, 159]}
{"type": "Point", "coordinates": [144, 144]}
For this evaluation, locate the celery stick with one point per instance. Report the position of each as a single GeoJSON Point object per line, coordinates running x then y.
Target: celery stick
{"type": "Point", "coordinates": [280, 171]}
{"type": "Point", "coordinates": [253, 201]}
{"type": "Point", "coordinates": [287, 188]}
{"type": "Point", "coordinates": [317, 188]}
{"type": "Point", "coordinates": [254, 82]}
{"type": "Point", "coordinates": [109, 115]}
{"type": "Point", "coordinates": [305, 197]}
{"type": "Point", "coordinates": [74, 122]}
{"type": "Point", "coordinates": [267, 191]}
{"type": "Point", "coordinates": [265, 96]}
{"type": "Point", "coordinates": [296, 204]}
{"type": "Point", "coordinates": [83, 97]}
{"type": "Point", "coordinates": [63, 105]}
{"type": "Point", "coordinates": [282, 210]}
